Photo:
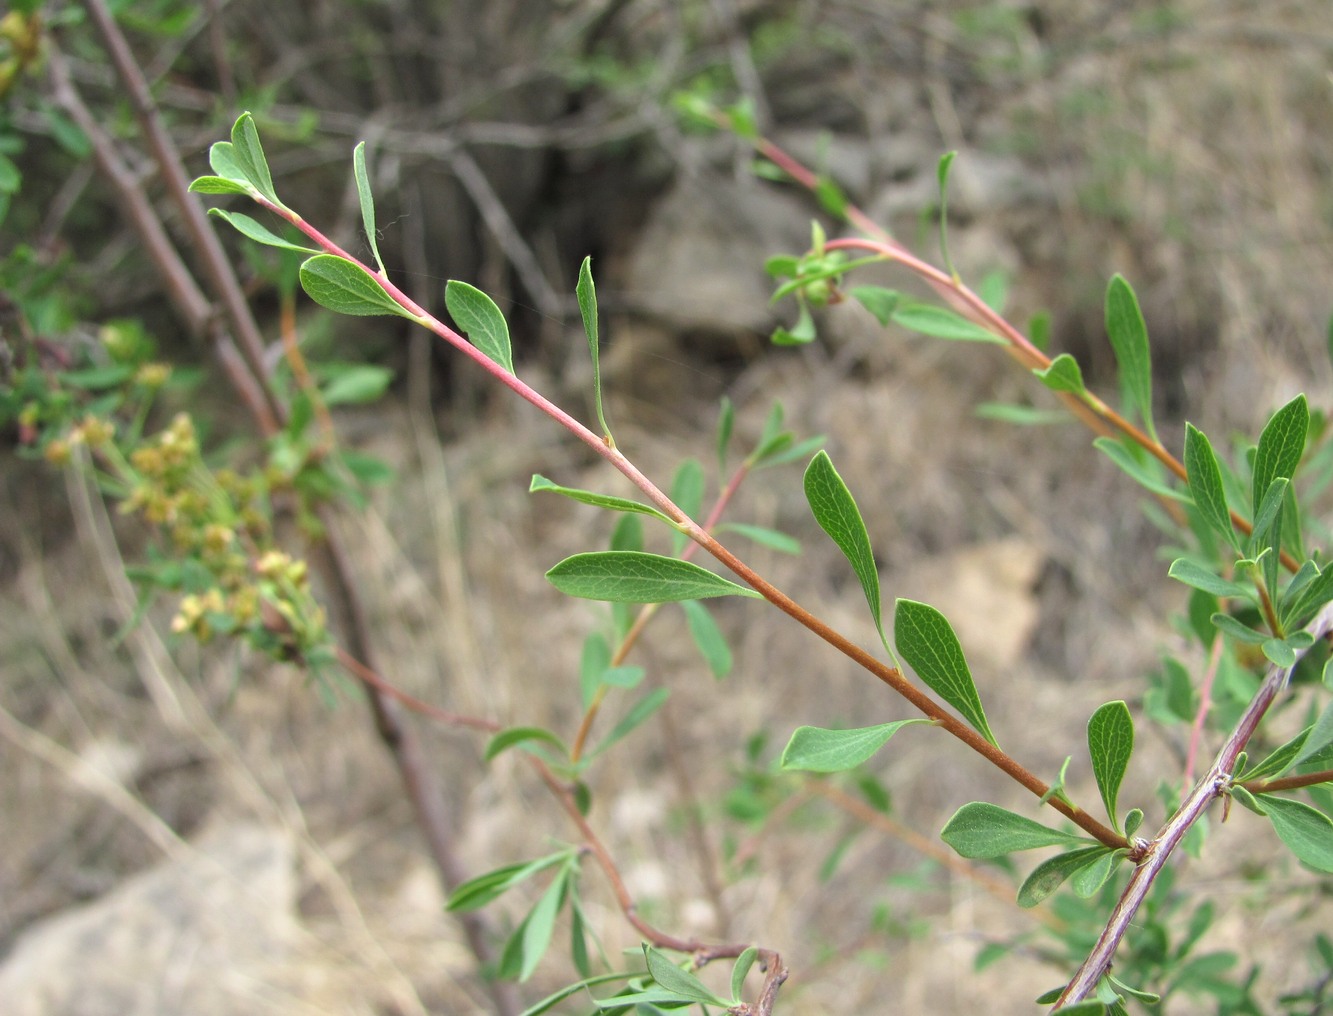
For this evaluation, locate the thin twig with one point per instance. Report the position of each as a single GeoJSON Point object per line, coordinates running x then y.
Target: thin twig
{"type": "Point", "coordinates": [890, 676]}
{"type": "Point", "coordinates": [217, 267]}
{"type": "Point", "coordinates": [1215, 783]}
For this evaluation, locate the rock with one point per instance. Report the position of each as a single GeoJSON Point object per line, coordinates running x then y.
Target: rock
{"type": "Point", "coordinates": [987, 592]}
{"type": "Point", "coordinates": [699, 262]}
{"type": "Point", "coordinates": [192, 935]}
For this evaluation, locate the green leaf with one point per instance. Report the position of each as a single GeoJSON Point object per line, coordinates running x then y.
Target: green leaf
{"type": "Point", "coordinates": [1267, 516]}
{"type": "Point", "coordinates": [927, 642]}
{"type": "Point", "coordinates": [799, 334]}
{"type": "Point", "coordinates": [98, 378]}
{"type": "Point", "coordinates": [539, 925]}
{"type": "Point", "coordinates": [1279, 760]}
{"type": "Point", "coordinates": [1147, 997]}
{"type": "Point", "coordinates": [356, 384]}
{"type": "Point", "coordinates": [1197, 577]}
{"type": "Point", "coordinates": [367, 201]}
{"type": "Point", "coordinates": [1129, 339]}
{"type": "Point", "coordinates": [830, 197]}
{"type": "Point", "coordinates": [879, 301]}
{"type": "Point", "coordinates": [586, 293]}
{"type": "Point", "coordinates": [1088, 880]}
{"type": "Point", "coordinates": [369, 470]}
{"type": "Point", "coordinates": [65, 132]}
{"type": "Point", "coordinates": [726, 421]}
{"type": "Point", "coordinates": [477, 892]}
{"type": "Point", "coordinates": [708, 637]}
{"type": "Point", "coordinates": [628, 534]}
{"type": "Point", "coordinates": [1146, 472]}
{"type": "Point", "coordinates": [1039, 329]}
{"type": "Point", "coordinates": [1307, 832]}
{"type": "Point", "coordinates": [942, 178]}
{"type": "Point", "coordinates": [765, 537]}
{"type": "Point", "coordinates": [1052, 873]}
{"type": "Point", "coordinates": [643, 709]}
{"type": "Point", "coordinates": [1280, 447]}
{"type": "Point", "coordinates": [994, 290]}
{"type": "Point", "coordinates": [981, 830]}
{"type": "Point", "coordinates": [623, 576]}
{"type": "Point", "coordinates": [940, 323]}
{"type": "Point", "coordinates": [217, 185]}
{"type": "Point", "coordinates": [257, 231]}
{"type": "Point", "coordinates": [623, 677]}
{"type": "Point", "coordinates": [593, 663]}
{"type": "Point", "coordinates": [819, 750]}
{"type": "Point", "coordinates": [578, 934]}
{"type": "Point", "coordinates": [222, 157]}
{"type": "Point", "coordinates": [619, 504]}
{"type": "Point", "coordinates": [1230, 626]}
{"type": "Point", "coordinates": [11, 178]}
{"type": "Point", "coordinates": [1086, 1008]}
{"type": "Point", "coordinates": [1133, 819]}
{"type": "Point", "coordinates": [739, 970]}
{"type": "Point", "coordinates": [346, 288]}
{"type": "Point", "coordinates": [480, 319]}
{"type": "Point", "coordinates": [514, 736]}
{"type": "Point", "coordinates": [1063, 375]}
{"type": "Point", "coordinates": [249, 156]}
{"type": "Point", "coordinates": [1319, 737]}
{"type": "Point", "coordinates": [550, 1001]}
{"type": "Point", "coordinates": [1279, 652]}
{"type": "Point", "coordinates": [835, 510]}
{"type": "Point", "coordinates": [1205, 481]}
{"type": "Point", "coordinates": [687, 492]}
{"type": "Point", "coordinates": [1110, 744]}
{"type": "Point", "coordinates": [1022, 416]}
{"type": "Point", "coordinates": [1309, 590]}
{"type": "Point", "coordinates": [680, 983]}
{"type": "Point", "coordinates": [771, 435]}
{"type": "Point", "coordinates": [789, 450]}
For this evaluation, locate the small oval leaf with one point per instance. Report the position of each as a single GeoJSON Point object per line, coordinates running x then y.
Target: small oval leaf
{"type": "Point", "coordinates": [980, 830]}
{"type": "Point", "coordinates": [513, 736]}
{"type": "Point", "coordinates": [1129, 338]}
{"type": "Point", "coordinates": [217, 185]}
{"type": "Point", "coordinates": [347, 288]}
{"type": "Point", "coordinates": [619, 504]}
{"type": "Point", "coordinates": [927, 642]}
{"type": "Point", "coordinates": [257, 231]}
{"type": "Point", "coordinates": [680, 983]}
{"type": "Point", "coordinates": [1110, 744]}
{"type": "Point", "coordinates": [1307, 832]}
{"type": "Point", "coordinates": [480, 319]}
{"type": "Point", "coordinates": [819, 750]}
{"type": "Point", "coordinates": [879, 301]}
{"type": "Point", "coordinates": [939, 323]}
{"type": "Point", "coordinates": [1052, 873]}
{"type": "Point", "coordinates": [1280, 447]}
{"type": "Point", "coordinates": [1205, 480]}
{"type": "Point", "coordinates": [836, 512]}
{"type": "Point", "coordinates": [626, 576]}
{"type": "Point", "coordinates": [1063, 375]}
{"type": "Point", "coordinates": [249, 155]}
{"type": "Point", "coordinates": [367, 201]}
{"type": "Point", "coordinates": [708, 638]}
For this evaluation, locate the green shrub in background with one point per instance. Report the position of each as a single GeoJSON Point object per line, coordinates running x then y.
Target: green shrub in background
{"type": "Point", "coordinates": [1260, 601]}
